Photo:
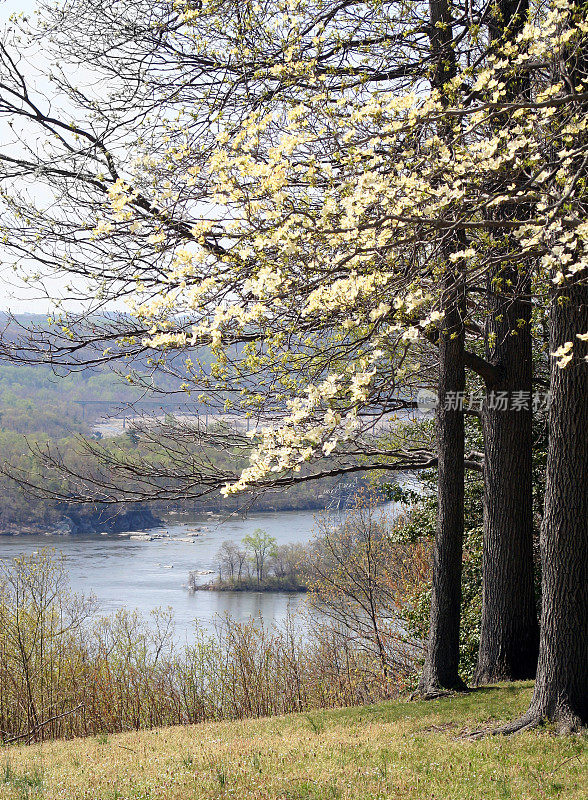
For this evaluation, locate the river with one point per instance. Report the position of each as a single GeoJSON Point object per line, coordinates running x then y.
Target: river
{"type": "Point", "coordinates": [124, 572]}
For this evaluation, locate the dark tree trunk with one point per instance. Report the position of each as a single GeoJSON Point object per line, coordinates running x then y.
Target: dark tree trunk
{"type": "Point", "coordinates": [561, 687]}
{"type": "Point", "coordinates": [441, 669]}
{"type": "Point", "coordinates": [442, 660]}
{"type": "Point", "coordinates": [509, 635]}
{"type": "Point", "coordinates": [561, 690]}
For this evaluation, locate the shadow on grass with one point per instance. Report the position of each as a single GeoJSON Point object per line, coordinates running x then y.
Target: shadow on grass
{"type": "Point", "coordinates": [500, 701]}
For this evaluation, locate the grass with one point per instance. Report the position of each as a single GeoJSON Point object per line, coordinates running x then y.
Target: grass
{"type": "Point", "coordinates": [409, 751]}
{"type": "Point", "coordinates": [25, 785]}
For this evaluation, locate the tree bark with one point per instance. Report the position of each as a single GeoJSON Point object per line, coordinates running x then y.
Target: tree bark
{"type": "Point", "coordinates": [509, 634]}
{"type": "Point", "coordinates": [561, 686]}
{"type": "Point", "coordinates": [441, 668]}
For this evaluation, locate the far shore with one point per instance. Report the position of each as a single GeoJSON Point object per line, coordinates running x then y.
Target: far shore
{"type": "Point", "coordinates": [92, 522]}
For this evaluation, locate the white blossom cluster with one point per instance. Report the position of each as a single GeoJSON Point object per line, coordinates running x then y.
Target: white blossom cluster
{"type": "Point", "coordinates": [332, 226]}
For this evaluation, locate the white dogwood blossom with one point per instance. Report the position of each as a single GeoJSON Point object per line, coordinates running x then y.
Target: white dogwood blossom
{"type": "Point", "coordinates": [328, 222]}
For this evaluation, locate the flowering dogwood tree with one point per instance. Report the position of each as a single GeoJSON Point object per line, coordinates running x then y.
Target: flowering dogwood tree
{"type": "Point", "coordinates": [343, 202]}
{"type": "Point", "coordinates": [350, 218]}
{"type": "Point", "coordinates": [331, 231]}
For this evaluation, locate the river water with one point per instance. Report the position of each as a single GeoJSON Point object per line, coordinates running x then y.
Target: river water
{"type": "Point", "coordinates": [132, 573]}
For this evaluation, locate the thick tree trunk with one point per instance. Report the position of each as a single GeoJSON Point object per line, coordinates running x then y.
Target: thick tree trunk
{"type": "Point", "coordinates": [509, 635]}
{"type": "Point", "coordinates": [441, 669]}
{"type": "Point", "coordinates": [561, 687]}
{"type": "Point", "coordinates": [442, 660]}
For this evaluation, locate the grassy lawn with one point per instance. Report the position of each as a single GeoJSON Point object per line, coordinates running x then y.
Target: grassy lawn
{"type": "Point", "coordinates": [413, 751]}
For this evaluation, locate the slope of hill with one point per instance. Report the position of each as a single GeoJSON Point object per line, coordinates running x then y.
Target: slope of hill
{"type": "Point", "coordinates": [412, 751]}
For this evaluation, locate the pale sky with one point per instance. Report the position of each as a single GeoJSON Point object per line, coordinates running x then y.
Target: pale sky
{"type": "Point", "coordinates": [8, 7]}
{"type": "Point", "coordinates": [14, 295]}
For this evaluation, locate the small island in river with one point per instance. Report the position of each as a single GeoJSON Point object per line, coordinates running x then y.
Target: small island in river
{"type": "Point", "coordinates": [258, 564]}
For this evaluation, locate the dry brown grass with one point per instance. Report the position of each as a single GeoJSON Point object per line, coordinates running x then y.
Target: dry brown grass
{"type": "Point", "coordinates": [402, 750]}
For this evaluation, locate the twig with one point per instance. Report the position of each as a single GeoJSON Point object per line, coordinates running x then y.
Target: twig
{"type": "Point", "coordinates": [34, 730]}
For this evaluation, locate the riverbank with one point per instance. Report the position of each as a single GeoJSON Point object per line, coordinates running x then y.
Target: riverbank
{"type": "Point", "coordinates": [142, 517]}
{"type": "Point", "coordinates": [88, 522]}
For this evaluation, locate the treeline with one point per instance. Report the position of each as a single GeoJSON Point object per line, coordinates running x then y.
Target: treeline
{"type": "Point", "coordinates": [39, 409]}
{"type": "Point", "coordinates": [23, 511]}
{"type": "Point", "coordinates": [34, 400]}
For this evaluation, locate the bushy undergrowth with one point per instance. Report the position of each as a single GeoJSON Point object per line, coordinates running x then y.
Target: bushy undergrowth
{"type": "Point", "coordinates": [66, 672]}
{"type": "Point", "coordinates": [419, 526]}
